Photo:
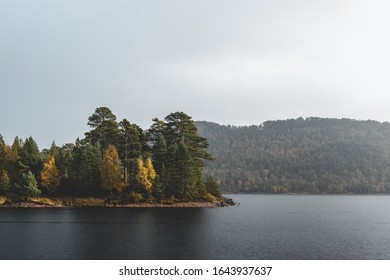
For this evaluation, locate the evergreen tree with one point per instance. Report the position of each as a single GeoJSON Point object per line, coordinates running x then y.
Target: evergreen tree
{"type": "Point", "coordinates": [5, 182]}
{"type": "Point", "coordinates": [28, 186]}
{"type": "Point", "coordinates": [181, 126]}
{"type": "Point", "coordinates": [177, 145]}
{"type": "Point", "coordinates": [171, 173]}
{"type": "Point", "coordinates": [159, 152]}
{"type": "Point", "coordinates": [64, 159]}
{"type": "Point", "coordinates": [110, 170]}
{"type": "Point", "coordinates": [2, 145]}
{"type": "Point", "coordinates": [31, 156]}
{"type": "Point", "coordinates": [185, 172]}
{"type": "Point", "coordinates": [84, 171]}
{"type": "Point", "coordinates": [50, 178]}
{"type": "Point", "coordinates": [90, 167]}
{"type": "Point", "coordinates": [11, 162]}
{"type": "Point", "coordinates": [105, 128]}
{"type": "Point", "coordinates": [213, 187]}
{"type": "Point", "coordinates": [132, 145]}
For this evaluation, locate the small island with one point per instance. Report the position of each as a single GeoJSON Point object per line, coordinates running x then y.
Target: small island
{"type": "Point", "coordinates": [116, 164]}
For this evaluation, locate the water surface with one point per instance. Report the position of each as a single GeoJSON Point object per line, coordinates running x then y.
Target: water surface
{"type": "Point", "coordinates": [262, 227]}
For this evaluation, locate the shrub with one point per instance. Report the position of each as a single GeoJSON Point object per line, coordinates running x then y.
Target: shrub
{"type": "Point", "coordinates": [135, 197]}
{"type": "Point", "coordinates": [209, 197]}
{"type": "Point", "coordinates": [213, 187]}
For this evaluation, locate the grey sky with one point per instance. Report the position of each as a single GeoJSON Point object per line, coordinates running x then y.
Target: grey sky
{"type": "Point", "coordinates": [232, 62]}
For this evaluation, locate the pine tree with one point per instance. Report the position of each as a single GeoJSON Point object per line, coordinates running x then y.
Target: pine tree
{"type": "Point", "coordinates": [31, 156]}
{"type": "Point", "coordinates": [132, 145]}
{"type": "Point", "coordinates": [159, 152]}
{"type": "Point", "coordinates": [84, 169]}
{"type": "Point", "coordinates": [50, 178]}
{"type": "Point", "coordinates": [172, 176]}
{"type": "Point", "coordinates": [185, 169]}
{"type": "Point", "coordinates": [29, 185]}
{"type": "Point", "coordinates": [177, 145]}
{"type": "Point", "coordinates": [105, 128]}
{"type": "Point", "coordinates": [110, 170]}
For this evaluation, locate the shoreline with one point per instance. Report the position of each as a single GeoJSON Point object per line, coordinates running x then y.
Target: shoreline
{"type": "Point", "coordinates": [77, 202]}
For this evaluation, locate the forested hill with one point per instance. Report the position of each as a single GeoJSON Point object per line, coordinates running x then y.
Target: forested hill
{"type": "Point", "coordinates": [301, 155]}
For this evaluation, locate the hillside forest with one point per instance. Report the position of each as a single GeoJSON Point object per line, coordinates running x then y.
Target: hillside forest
{"type": "Point", "coordinates": [165, 162]}
{"type": "Point", "coordinates": [313, 155]}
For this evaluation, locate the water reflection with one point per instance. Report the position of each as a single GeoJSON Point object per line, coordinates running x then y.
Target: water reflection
{"type": "Point", "coordinates": [263, 227]}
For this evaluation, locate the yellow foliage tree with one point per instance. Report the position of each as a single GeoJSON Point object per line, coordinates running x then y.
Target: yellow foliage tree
{"type": "Point", "coordinates": [110, 170]}
{"type": "Point", "coordinates": [50, 178]}
{"type": "Point", "coordinates": [146, 173]}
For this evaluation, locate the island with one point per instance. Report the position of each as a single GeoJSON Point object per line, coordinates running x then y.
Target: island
{"type": "Point", "coordinates": [116, 164]}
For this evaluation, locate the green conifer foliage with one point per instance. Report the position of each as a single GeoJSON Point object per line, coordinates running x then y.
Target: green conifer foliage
{"type": "Point", "coordinates": [28, 186]}
{"type": "Point", "coordinates": [5, 182]}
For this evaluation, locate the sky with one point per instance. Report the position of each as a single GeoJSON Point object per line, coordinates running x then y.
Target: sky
{"type": "Point", "coordinates": [233, 62]}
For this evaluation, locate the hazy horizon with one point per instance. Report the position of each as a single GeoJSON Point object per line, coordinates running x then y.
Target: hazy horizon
{"type": "Point", "coordinates": [229, 62]}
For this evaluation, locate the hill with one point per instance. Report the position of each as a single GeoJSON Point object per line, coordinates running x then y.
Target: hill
{"type": "Point", "coordinates": [300, 155]}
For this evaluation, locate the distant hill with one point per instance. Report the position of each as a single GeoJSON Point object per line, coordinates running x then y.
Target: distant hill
{"type": "Point", "coordinates": [301, 155]}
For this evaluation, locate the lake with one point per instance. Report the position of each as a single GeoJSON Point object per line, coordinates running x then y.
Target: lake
{"type": "Point", "coordinates": [262, 227]}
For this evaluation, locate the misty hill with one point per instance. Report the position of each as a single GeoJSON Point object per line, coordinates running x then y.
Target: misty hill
{"type": "Point", "coordinates": [301, 155]}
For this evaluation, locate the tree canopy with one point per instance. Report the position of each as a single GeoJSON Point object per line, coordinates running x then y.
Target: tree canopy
{"type": "Point", "coordinates": [301, 155]}
{"type": "Point", "coordinates": [165, 162]}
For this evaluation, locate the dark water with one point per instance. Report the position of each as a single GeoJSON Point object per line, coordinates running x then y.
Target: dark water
{"type": "Point", "coordinates": [262, 227]}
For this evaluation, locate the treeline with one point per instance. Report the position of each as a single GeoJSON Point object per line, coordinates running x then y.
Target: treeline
{"type": "Point", "coordinates": [301, 155]}
{"type": "Point", "coordinates": [165, 162]}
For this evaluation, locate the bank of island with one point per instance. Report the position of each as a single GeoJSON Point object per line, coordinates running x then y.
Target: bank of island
{"type": "Point", "coordinates": [115, 164]}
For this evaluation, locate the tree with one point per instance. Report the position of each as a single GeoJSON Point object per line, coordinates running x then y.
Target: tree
{"type": "Point", "coordinates": [89, 171]}
{"type": "Point", "coordinates": [145, 174]}
{"type": "Point", "coordinates": [105, 128]}
{"type": "Point", "coordinates": [185, 170]}
{"type": "Point", "coordinates": [110, 170]}
{"type": "Point", "coordinates": [5, 182]}
{"type": "Point", "coordinates": [11, 161]}
{"type": "Point", "coordinates": [31, 156]}
{"type": "Point", "coordinates": [180, 126]}
{"type": "Point", "coordinates": [177, 146]}
{"type": "Point", "coordinates": [213, 187]}
{"type": "Point", "coordinates": [2, 145]}
{"type": "Point", "coordinates": [132, 145]}
{"type": "Point", "coordinates": [159, 152]}
{"type": "Point", "coordinates": [29, 185]}
{"type": "Point", "coordinates": [50, 178]}
{"type": "Point", "coordinates": [84, 168]}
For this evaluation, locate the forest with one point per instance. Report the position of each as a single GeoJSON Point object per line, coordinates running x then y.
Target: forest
{"type": "Point", "coordinates": [313, 155]}
{"type": "Point", "coordinates": [114, 158]}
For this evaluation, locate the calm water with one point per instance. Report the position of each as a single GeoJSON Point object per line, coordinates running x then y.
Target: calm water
{"type": "Point", "coordinates": [262, 227]}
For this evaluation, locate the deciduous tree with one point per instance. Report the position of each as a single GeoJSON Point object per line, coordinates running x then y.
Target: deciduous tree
{"type": "Point", "coordinates": [50, 178]}
{"type": "Point", "coordinates": [110, 170]}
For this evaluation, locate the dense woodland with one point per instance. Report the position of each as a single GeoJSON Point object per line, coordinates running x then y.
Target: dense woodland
{"type": "Point", "coordinates": [165, 162]}
{"type": "Point", "coordinates": [301, 155]}
{"type": "Point", "coordinates": [170, 161]}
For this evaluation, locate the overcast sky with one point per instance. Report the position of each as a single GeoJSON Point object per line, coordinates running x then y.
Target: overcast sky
{"type": "Point", "coordinates": [233, 62]}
